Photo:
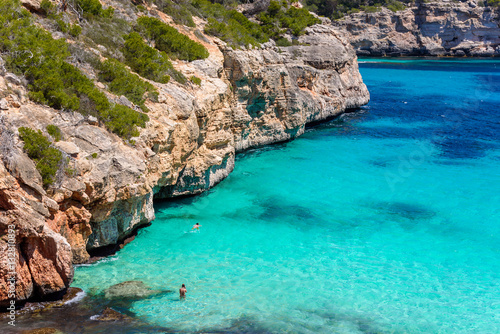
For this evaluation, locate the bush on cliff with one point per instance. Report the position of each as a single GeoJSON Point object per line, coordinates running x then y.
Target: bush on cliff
{"type": "Point", "coordinates": [335, 9]}
{"type": "Point", "coordinates": [149, 62]}
{"type": "Point", "coordinates": [39, 149]}
{"type": "Point", "coordinates": [107, 32]}
{"type": "Point", "coordinates": [168, 39]}
{"type": "Point", "coordinates": [124, 121]}
{"type": "Point", "coordinates": [121, 82]}
{"type": "Point", "coordinates": [180, 11]}
{"type": "Point", "coordinates": [92, 8]}
{"type": "Point", "coordinates": [396, 6]}
{"type": "Point", "coordinates": [230, 25]}
{"type": "Point", "coordinates": [54, 132]}
{"type": "Point", "coordinates": [279, 19]}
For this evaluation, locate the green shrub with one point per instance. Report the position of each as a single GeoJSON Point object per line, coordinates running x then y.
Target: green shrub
{"type": "Point", "coordinates": [121, 82]}
{"type": "Point", "coordinates": [54, 132]}
{"type": "Point", "coordinates": [168, 39]}
{"type": "Point", "coordinates": [75, 30]}
{"type": "Point", "coordinates": [195, 80]}
{"type": "Point", "coordinates": [93, 8]}
{"type": "Point", "coordinates": [108, 32]}
{"type": "Point", "coordinates": [48, 7]}
{"type": "Point", "coordinates": [396, 6]}
{"type": "Point", "coordinates": [63, 26]}
{"type": "Point", "coordinates": [38, 148]}
{"type": "Point", "coordinates": [282, 41]}
{"type": "Point", "coordinates": [335, 9]}
{"type": "Point", "coordinates": [148, 62]}
{"type": "Point", "coordinates": [124, 121]}
{"type": "Point", "coordinates": [179, 11]}
{"type": "Point", "coordinates": [94, 155]}
{"type": "Point", "coordinates": [278, 19]}
{"type": "Point", "coordinates": [230, 25]}
{"type": "Point", "coordinates": [370, 9]}
{"type": "Point", "coordinates": [298, 19]}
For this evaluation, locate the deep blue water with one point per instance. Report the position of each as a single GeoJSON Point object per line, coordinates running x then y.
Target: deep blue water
{"type": "Point", "coordinates": [386, 220]}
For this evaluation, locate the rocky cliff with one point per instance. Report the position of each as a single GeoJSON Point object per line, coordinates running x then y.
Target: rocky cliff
{"type": "Point", "coordinates": [247, 98]}
{"type": "Point", "coordinates": [428, 28]}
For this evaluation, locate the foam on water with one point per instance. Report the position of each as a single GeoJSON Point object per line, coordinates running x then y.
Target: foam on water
{"type": "Point", "coordinates": [78, 297]}
{"type": "Point", "coordinates": [383, 221]}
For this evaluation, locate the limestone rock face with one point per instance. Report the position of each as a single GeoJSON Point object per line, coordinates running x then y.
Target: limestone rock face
{"type": "Point", "coordinates": [105, 188]}
{"type": "Point", "coordinates": [280, 90]}
{"type": "Point", "coordinates": [437, 28]}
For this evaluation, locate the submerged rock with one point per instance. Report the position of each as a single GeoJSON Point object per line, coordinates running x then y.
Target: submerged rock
{"type": "Point", "coordinates": [111, 315]}
{"type": "Point", "coordinates": [129, 290]}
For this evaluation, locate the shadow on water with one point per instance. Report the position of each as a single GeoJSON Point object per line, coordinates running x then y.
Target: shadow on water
{"type": "Point", "coordinates": [410, 211]}
{"type": "Point", "coordinates": [490, 82]}
{"type": "Point", "coordinates": [275, 208]}
{"type": "Point", "coordinates": [242, 325]}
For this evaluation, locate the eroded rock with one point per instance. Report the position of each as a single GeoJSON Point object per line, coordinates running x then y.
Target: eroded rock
{"type": "Point", "coordinates": [434, 28]}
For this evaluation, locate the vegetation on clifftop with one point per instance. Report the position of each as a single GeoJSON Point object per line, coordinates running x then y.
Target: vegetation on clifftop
{"type": "Point", "coordinates": [226, 23]}
{"type": "Point", "coordinates": [335, 9]}
{"type": "Point", "coordinates": [169, 40]}
{"type": "Point", "coordinates": [279, 19]}
{"type": "Point", "coordinates": [32, 52]}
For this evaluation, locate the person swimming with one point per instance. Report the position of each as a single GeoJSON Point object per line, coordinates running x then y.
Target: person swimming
{"type": "Point", "coordinates": [196, 226]}
{"type": "Point", "coordinates": [182, 291]}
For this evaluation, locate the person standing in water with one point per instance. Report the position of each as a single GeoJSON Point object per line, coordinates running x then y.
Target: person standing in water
{"type": "Point", "coordinates": [196, 226]}
{"type": "Point", "coordinates": [182, 291]}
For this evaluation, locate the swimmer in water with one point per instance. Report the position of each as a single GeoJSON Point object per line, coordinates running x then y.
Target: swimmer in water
{"type": "Point", "coordinates": [196, 226]}
{"type": "Point", "coordinates": [182, 291]}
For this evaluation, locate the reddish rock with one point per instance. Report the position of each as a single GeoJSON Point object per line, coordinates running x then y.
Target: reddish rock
{"type": "Point", "coordinates": [42, 258]}
{"type": "Point", "coordinates": [50, 262]}
{"type": "Point", "coordinates": [72, 222]}
{"type": "Point", "coordinates": [23, 282]}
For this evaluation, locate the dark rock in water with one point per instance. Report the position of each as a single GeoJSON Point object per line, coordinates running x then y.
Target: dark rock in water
{"type": "Point", "coordinates": [111, 315]}
{"type": "Point", "coordinates": [129, 290]}
{"type": "Point", "coordinates": [70, 294]}
{"type": "Point", "coordinates": [275, 208]}
{"type": "Point", "coordinates": [45, 330]}
{"type": "Point", "coordinates": [410, 210]}
{"type": "Point", "coordinates": [34, 307]}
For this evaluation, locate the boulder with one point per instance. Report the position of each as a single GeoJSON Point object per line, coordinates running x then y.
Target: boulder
{"type": "Point", "coordinates": [111, 315]}
{"type": "Point", "coordinates": [12, 78]}
{"type": "Point", "coordinates": [4, 105]}
{"type": "Point", "coordinates": [129, 290]}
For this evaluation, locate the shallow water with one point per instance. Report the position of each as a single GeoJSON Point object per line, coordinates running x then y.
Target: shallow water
{"type": "Point", "coordinates": [383, 221]}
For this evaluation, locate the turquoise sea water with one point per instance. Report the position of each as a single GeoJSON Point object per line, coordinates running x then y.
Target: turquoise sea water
{"type": "Point", "coordinates": [386, 220]}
